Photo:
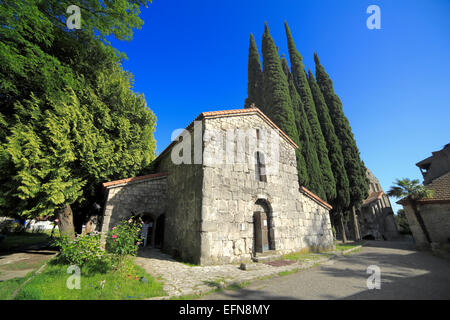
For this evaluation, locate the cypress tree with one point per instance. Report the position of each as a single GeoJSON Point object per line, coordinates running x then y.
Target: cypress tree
{"type": "Point", "coordinates": [255, 77]}
{"type": "Point", "coordinates": [342, 199]}
{"type": "Point", "coordinates": [335, 155]}
{"type": "Point", "coordinates": [302, 85]}
{"type": "Point", "coordinates": [277, 100]}
{"type": "Point", "coordinates": [313, 182]}
{"type": "Point", "coordinates": [353, 165]}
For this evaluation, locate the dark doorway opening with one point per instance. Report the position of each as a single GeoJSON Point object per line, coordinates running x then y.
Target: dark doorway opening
{"type": "Point", "coordinates": [159, 231]}
{"type": "Point", "coordinates": [147, 230]}
{"type": "Point", "coordinates": [369, 237]}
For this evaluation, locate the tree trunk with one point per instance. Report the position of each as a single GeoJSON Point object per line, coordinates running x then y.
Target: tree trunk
{"type": "Point", "coordinates": [420, 220]}
{"type": "Point", "coordinates": [65, 223]}
{"type": "Point", "coordinates": [341, 226]}
{"type": "Point", "coordinates": [357, 235]}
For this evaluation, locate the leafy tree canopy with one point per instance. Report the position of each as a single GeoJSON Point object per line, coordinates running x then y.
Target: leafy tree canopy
{"type": "Point", "coordinates": [69, 118]}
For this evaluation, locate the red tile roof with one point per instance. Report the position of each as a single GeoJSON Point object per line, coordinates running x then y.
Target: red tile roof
{"type": "Point", "coordinates": [441, 188]}
{"type": "Point", "coordinates": [315, 197]}
{"type": "Point", "coordinates": [372, 197]}
{"type": "Point", "coordinates": [134, 179]}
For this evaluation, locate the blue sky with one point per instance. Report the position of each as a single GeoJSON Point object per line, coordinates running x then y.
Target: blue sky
{"type": "Point", "coordinates": [191, 56]}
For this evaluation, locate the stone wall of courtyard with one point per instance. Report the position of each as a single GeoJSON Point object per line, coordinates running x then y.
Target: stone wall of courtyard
{"type": "Point", "coordinates": [138, 197]}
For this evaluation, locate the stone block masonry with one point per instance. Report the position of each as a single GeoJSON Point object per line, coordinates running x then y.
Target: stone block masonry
{"type": "Point", "coordinates": [231, 191]}
{"type": "Point", "coordinates": [210, 207]}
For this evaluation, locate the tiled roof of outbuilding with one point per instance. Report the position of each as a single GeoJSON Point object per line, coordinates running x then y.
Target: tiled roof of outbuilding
{"type": "Point", "coordinates": [133, 179]}
{"type": "Point", "coordinates": [372, 197]}
{"type": "Point", "coordinates": [441, 188]}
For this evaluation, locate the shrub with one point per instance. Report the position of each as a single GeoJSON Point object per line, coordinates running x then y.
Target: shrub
{"type": "Point", "coordinates": [124, 239]}
{"type": "Point", "coordinates": [82, 250]}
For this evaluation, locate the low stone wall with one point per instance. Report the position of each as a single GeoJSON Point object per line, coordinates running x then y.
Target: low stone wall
{"type": "Point", "coordinates": [437, 220]}
{"type": "Point", "coordinates": [141, 197]}
{"type": "Point", "coordinates": [436, 217]}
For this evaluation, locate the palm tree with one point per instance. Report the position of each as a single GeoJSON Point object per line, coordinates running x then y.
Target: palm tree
{"type": "Point", "coordinates": [412, 191]}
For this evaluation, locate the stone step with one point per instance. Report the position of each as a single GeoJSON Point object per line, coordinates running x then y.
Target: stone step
{"type": "Point", "coordinates": [267, 256]}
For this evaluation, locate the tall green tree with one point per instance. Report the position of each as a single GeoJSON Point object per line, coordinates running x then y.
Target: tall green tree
{"type": "Point", "coordinates": [302, 85]}
{"type": "Point", "coordinates": [277, 100]}
{"type": "Point", "coordinates": [69, 118]}
{"type": "Point", "coordinates": [255, 77]}
{"type": "Point", "coordinates": [313, 177]}
{"type": "Point", "coordinates": [342, 199]}
{"type": "Point", "coordinates": [356, 171]}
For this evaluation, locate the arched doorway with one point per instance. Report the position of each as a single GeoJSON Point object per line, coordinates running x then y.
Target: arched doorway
{"type": "Point", "coordinates": [262, 226]}
{"type": "Point", "coordinates": [147, 230]}
{"type": "Point", "coordinates": [154, 226]}
{"type": "Point", "coordinates": [159, 231]}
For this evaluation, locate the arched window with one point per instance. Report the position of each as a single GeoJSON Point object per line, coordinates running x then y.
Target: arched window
{"type": "Point", "coordinates": [260, 167]}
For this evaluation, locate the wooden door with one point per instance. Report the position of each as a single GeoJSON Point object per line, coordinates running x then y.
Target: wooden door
{"type": "Point", "coordinates": [261, 227]}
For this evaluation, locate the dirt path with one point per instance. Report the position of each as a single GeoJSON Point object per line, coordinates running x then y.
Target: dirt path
{"type": "Point", "coordinates": [19, 263]}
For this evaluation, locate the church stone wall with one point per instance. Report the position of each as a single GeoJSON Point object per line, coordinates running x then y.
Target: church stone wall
{"type": "Point", "coordinates": [231, 190]}
{"type": "Point", "coordinates": [184, 207]}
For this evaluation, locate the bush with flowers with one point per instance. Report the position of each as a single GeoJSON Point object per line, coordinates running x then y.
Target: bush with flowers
{"type": "Point", "coordinates": [88, 251]}
{"type": "Point", "coordinates": [124, 239]}
{"type": "Point", "coordinates": [83, 249]}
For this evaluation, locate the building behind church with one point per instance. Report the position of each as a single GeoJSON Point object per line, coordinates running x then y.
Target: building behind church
{"type": "Point", "coordinates": [376, 218]}
{"type": "Point", "coordinates": [212, 212]}
{"type": "Point", "coordinates": [435, 210]}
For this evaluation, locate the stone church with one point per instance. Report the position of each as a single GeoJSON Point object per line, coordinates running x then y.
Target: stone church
{"type": "Point", "coordinates": [207, 209]}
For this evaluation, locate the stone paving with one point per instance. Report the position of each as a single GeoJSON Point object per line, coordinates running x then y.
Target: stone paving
{"type": "Point", "coordinates": [181, 279]}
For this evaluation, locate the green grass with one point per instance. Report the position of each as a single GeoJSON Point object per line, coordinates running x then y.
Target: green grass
{"type": "Point", "coordinates": [288, 272]}
{"type": "Point", "coordinates": [14, 240]}
{"type": "Point", "coordinates": [342, 247]}
{"type": "Point", "coordinates": [353, 251]}
{"type": "Point", "coordinates": [233, 286]}
{"type": "Point", "coordinates": [51, 285]}
{"type": "Point", "coordinates": [301, 256]}
{"type": "Point", "coordinates": [195, 296]}
{"type": "Point", "coordinates": [189, 264]}
{"type": "Point", "coordinates": [8, 287]}
{"type": "Point", "coordinates": [238, 286]}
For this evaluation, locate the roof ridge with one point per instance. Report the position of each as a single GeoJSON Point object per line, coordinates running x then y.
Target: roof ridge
{"type": "Point", "coordinates": [316, 197]}
{"type": "Point", "coordinates": [133, 179]}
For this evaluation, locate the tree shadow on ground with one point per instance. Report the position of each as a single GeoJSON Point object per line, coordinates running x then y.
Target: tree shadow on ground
{"type": "Point", "coordinates": [405, 274]}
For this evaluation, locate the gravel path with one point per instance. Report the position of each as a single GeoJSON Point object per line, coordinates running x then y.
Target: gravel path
{"type": "Point", "coordinates": [181, 279]}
